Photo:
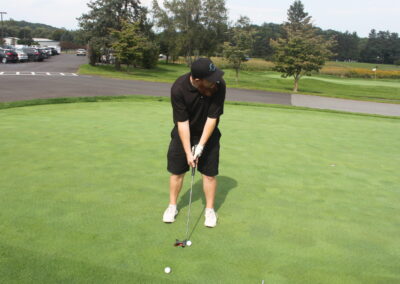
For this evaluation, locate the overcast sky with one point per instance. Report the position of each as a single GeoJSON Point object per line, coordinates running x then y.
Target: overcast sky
{"type": "Point", "coordinates": [342, 15]}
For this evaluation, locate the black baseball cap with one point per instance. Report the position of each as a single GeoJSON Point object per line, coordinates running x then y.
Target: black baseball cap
{"type": "Point", "coordinates": [204, 68]}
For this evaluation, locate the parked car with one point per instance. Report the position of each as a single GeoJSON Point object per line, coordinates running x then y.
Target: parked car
{"type": "Point", "coordinates": [81, 52]}
{"type": "Point", "coordinates": [22, 56]}
{"type": "Point", "coordinates": [53, 51]}
{"type": "Point", "coordinates": [9, 56]}
{"type": "Point", "coordinates": [2, 55]}
{"type": "Point", "coordinates": [32, 55]}
{"type": "Point", "coordinates": [43, 53]}
{"type": "Point", "coordinates": [48, 51]}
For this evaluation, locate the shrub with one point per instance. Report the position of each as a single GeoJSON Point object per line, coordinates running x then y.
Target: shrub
{"type": "Point", "coordinates": [150, 55]}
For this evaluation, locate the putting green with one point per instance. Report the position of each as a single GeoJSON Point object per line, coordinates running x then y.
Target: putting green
{"type": "Point", "coordinates": [304, 197]}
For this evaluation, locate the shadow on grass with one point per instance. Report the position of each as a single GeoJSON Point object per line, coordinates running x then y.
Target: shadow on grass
{"type": "Point", "coordinates": [225, 185]}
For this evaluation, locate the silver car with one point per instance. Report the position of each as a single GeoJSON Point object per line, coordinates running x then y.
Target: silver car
{"type": "Point", "coordinates": [81, 52]}
{"type": "Point", "coordinates": [22, 56]}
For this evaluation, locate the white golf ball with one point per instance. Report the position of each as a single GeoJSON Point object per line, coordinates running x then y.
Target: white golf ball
{"type": "Point", "coordinates": [167, 269]}
{"type": "Point", "coordinates": [188, 243]}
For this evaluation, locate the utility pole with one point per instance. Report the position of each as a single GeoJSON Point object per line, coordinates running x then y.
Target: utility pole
{"type": "Point", "coordinates": [2, 28]}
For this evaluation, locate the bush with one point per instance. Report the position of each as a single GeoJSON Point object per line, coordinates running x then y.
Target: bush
{"type": "Point", "coordinates": [150, 55]}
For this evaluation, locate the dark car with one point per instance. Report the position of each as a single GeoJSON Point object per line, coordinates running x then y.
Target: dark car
{"type": "Point", "coordinates": [54, 51]}
{"type": "Point", "coordinates": [32, 55]}
{"type": "Point", "coordinates": [8, 55]}
{"type": "Point", "coordinates": [1, 56]}
{"type": "Point", "coordinates": [43, 53]}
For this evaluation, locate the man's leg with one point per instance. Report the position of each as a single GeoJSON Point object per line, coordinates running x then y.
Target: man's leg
{"type": "Point", "coordinates": [209, 187]}
{"type": "Point", "coordinates": [175, 186]}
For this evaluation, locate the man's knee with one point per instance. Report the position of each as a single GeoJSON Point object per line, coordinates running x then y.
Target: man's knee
{"type": "Point", "coordinates": [177, 177]}
{"type": "Point", "coordinates": [209, 178]}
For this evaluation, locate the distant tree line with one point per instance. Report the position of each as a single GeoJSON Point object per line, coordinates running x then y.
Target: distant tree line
{"type": "Point", "coordinates": [25, 31]}
{"type": "Point", "coordinates": [380, 47]}
{"type": "Point", "coordinates": [195, 27]}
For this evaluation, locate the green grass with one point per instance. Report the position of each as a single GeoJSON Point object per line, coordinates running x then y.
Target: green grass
{"type": "Point", "coordinates": [387, 91]}
{"type": "Point", "coordinates": [304, 197]}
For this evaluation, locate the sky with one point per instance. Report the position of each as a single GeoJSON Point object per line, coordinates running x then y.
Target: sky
{"type": "Point", "coordinates": [341, 15]}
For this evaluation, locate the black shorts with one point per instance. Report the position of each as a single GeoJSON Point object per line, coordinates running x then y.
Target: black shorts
{"type": "Point", "coordinates": [208, 162]}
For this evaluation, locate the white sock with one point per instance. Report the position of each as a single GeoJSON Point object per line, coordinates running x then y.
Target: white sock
{"type": "Point", "coordinates": [209, 209]}
{"type": "Point", "coordinates": [172, 206]}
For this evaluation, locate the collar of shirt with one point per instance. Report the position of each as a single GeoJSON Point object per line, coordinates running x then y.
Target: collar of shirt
{"type": "Point", "coordinates": [189, 86]}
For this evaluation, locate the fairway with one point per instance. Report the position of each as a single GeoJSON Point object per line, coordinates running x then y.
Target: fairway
{"type": "Point", "coordinates": [304, 197]}
{"type": "Point", "coordinates": [356, 82]}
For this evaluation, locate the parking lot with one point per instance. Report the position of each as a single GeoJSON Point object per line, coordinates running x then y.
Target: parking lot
{"type": "Point", "coordinates": [64, 63]}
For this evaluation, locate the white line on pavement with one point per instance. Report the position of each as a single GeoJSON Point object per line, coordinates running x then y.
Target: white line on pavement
{"type": "Point", "coordinates": [32, 73]}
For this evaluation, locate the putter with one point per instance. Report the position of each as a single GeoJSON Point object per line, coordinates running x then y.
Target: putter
{"type": "Point", "coordinates": [179, 243]}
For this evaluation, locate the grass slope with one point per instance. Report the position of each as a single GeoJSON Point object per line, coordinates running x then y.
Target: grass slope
{"type": "Point", "coordinates": [304, 197]}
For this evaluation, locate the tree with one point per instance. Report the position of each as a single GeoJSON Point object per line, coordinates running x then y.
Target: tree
{"type": "Point", "coordinates": [169, 36]}
{"type": "Point", "coordinates": [263, 35]}
{"type": "Point", "coordinates": [195, 26]}
{"type": "Point", "coordinates": [381, 47]}
{"type": "Point", "coordinates": [214, 26]}
{"type": "Point", "coordinates": [347, 47]}
{"type": "Point", "coordinates": [238, 48]}
{"type": "Point", "coordinates": [301, 50]}
{"type": "Point", "coordinates": [132, 47]}
{"type": "Point", "coordinates": [107, 15]}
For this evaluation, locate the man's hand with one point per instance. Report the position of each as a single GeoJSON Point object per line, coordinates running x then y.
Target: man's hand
{"type": "Point", "coordinates": [197, 150]}
{"type": "Point", "coordinates": [190, 160]}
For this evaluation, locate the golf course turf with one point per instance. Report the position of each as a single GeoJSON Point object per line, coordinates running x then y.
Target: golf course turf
{"type": "Point", "coordinates": [304, 197]}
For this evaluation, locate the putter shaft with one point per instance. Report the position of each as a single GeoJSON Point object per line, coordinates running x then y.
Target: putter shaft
{"type": "Point", "coordinates": [190, 201]}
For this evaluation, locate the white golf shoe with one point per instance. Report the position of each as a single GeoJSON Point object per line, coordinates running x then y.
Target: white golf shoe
{"type": "Point", "coordinates": [169, 214]}
{"type": "Point", "coordinates": [211, 218]}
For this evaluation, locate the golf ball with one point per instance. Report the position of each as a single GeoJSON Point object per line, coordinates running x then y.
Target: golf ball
{"type": "Point", "coordinates": [167, 269]}
{"type": "Point", "coordinates": [188, 243]}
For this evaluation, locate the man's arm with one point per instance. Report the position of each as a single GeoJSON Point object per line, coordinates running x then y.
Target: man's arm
{"type": "Point", "coordinates": [209, 127]}
{"type": "Point", "coordinates": [184, 135]}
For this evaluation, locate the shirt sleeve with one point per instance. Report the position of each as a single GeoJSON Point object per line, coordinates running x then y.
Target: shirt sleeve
{"type": "Point", "coordinates": [217, 104]}
{"type": "Point", "coordinates": [179, 108]}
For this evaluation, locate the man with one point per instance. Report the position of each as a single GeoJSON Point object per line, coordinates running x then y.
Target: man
{"type": "Point", "coordinates": [197, 101]}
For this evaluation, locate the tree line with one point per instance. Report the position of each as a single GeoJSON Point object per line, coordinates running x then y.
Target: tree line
{"type": "Point", "coordinates": [26, 31]}
{"type": "Point", "coordinates": [193, 27]}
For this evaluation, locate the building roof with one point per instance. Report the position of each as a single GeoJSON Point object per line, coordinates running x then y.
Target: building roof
{"type": "Point", "coordinates": [42, 39]}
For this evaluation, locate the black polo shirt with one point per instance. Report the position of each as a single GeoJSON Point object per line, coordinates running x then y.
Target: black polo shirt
{"type": "Point", "coordinates": [189, 104]}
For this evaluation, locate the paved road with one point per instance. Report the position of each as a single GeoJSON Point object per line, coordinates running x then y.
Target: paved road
{"type": "Point", "coordinates": [56, 77]}
{"type": "Point", "coordinates": [67, 63]}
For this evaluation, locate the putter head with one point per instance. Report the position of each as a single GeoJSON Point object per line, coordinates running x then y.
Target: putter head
{"type": "Point", "coordinates": [179, 243]}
